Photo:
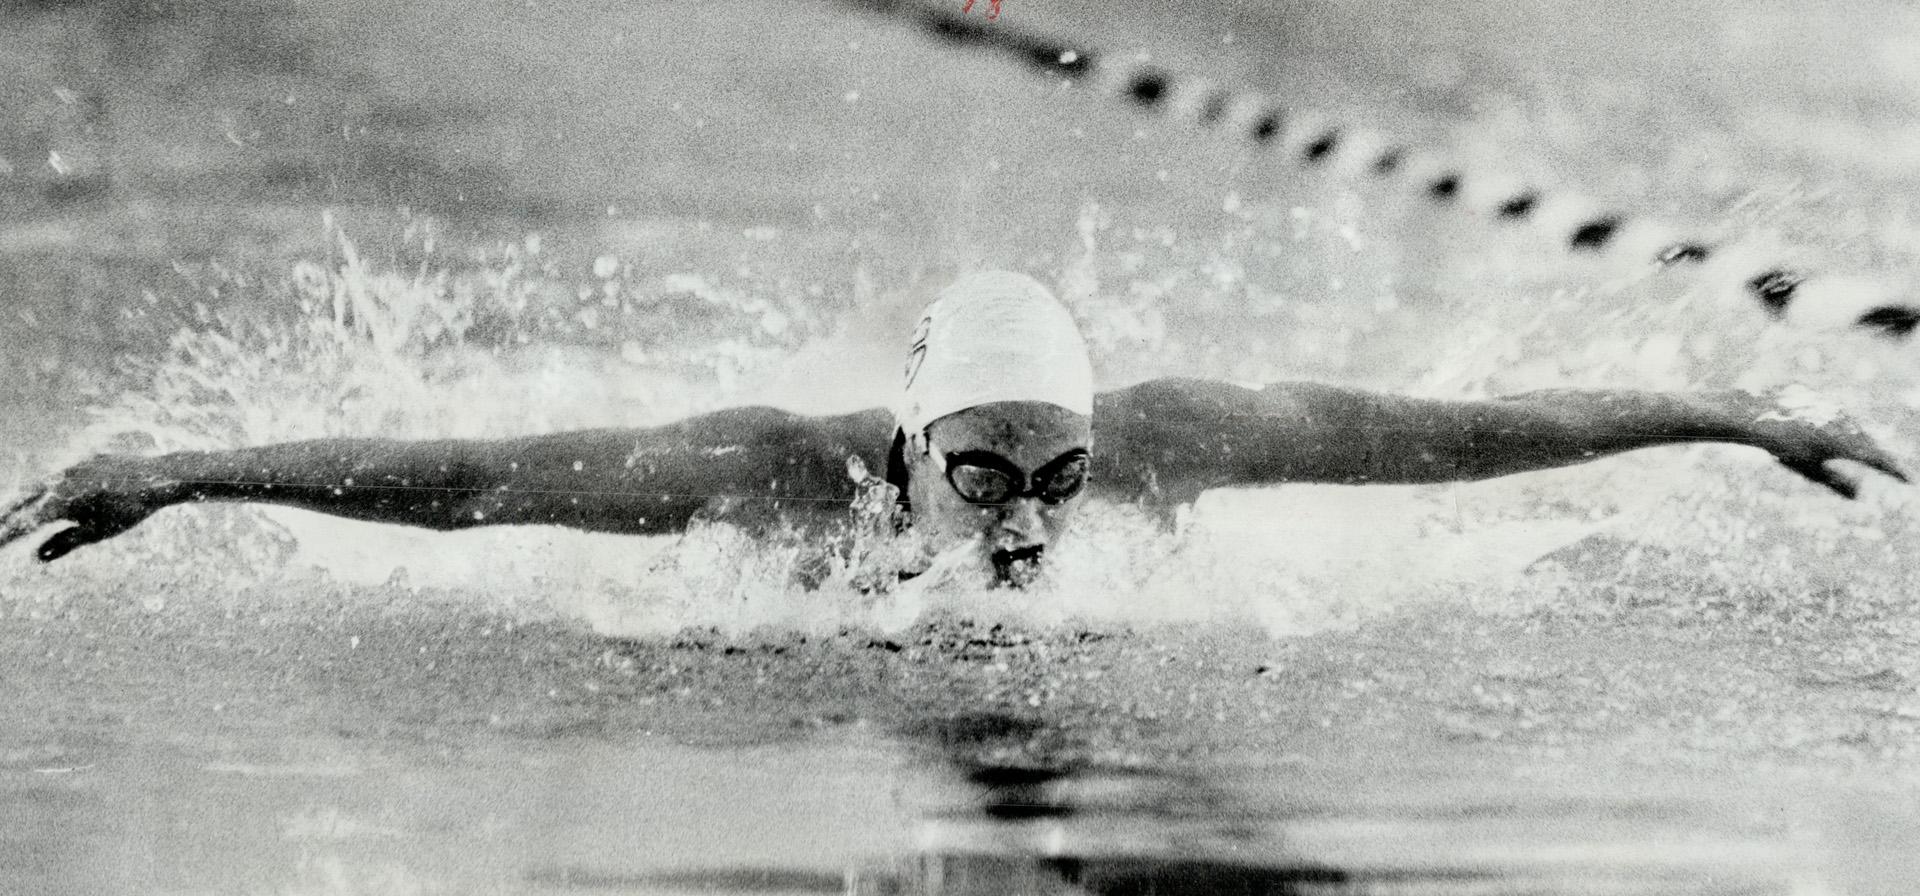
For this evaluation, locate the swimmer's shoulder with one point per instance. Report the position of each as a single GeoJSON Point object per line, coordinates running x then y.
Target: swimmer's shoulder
{"type": "Point", "coordinates": [871, 424]}
{"type": "Point", "coordinates": [1179, 399]}
{"type": "Point", "coordinates": [814, 446]}
{"type": "Point", "coordinates": [1161, 442]}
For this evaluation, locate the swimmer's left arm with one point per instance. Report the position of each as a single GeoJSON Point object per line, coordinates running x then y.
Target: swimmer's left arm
{"type": "Point", "coordinates": [1171, 439]}
{"type": "Point", "coordinates": [748, 466]}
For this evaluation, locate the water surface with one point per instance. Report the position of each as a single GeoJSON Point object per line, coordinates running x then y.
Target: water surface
{"type": "Point", "coordinates": [232, 223]}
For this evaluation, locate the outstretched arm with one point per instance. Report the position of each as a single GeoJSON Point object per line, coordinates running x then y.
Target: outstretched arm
{"type": "Point", "coordinates": [750, 465]}
{"type": "Point", "coordinates": [1165, 441]}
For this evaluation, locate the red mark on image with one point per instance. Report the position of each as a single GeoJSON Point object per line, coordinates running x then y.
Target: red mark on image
{"type": "Point", "coordinates": [993, 9]}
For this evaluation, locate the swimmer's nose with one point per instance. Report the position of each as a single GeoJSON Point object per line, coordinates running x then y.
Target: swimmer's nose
{"type": "Point", "coordinates": [1020, 524]}
{"type": "Point", "coordinates": [1020, 539]}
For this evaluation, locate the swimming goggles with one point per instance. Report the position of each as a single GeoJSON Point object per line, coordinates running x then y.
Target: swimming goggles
{"type": "Point", "coordinates": [984, 478]}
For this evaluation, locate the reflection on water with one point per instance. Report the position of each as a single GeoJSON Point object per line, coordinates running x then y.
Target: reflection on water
{"type": "Point", "coordinates": [1145, 832]}
{"type": "Point", "coordinates": [232, 810]}
{"type": "Point", "coordinates": [1307, 827]}
{"type": "Point", "coordinates": [326, 815]}
{"type": "Point", "coordinates": [711, 216]}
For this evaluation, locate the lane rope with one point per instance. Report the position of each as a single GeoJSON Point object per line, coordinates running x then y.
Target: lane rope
{"type": "Point", "coordinates": [1784, 290]}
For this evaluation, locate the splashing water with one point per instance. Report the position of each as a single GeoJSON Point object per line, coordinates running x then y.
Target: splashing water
{"type": "Point", "coordinates": [499, 343]}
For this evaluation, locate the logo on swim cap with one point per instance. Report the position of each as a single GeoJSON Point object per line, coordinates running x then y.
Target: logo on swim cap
{"type": "Point", "coordinates": [991, 337]}
{"type": "Point", "coordinates": [917, 352]}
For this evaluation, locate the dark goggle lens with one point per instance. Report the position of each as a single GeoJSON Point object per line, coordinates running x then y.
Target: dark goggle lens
{"type": "Point", "coordinates": [1059, 485]}
{"type": "Point", "coordinates": [982, 485]}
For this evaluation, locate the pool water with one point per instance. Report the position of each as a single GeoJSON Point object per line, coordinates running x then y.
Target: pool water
{"type": "Point", "coordinates": [1681, 671]}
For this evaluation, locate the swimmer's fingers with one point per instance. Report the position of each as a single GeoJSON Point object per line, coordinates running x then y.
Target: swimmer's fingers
{"type": "Point", "coordinates": [23, 517]}
{"type": "Point", "coordinates": [1843, 439]}
{"type": "Point", "coordinates": [102, 497]}
{"type": "Point", "coordinates": [1872, 456]}
{"type": "Point", "coordinates": [1842, 483]}
{"type": "Point", "coordinates": [17, 506]}
{"type": "Point", "coordinates": [1811, 451]}
{"type": "Point", "coordinates": [64, 541]}
{"type": "Point", "coordinates": [39, 510]}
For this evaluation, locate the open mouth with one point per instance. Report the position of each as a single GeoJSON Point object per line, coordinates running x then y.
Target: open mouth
{"type": "Point", "coordinates": [1017, 567]}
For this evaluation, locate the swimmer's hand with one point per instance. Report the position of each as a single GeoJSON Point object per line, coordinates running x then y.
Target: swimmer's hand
{"type": "Point", "coordinates": [101, 497]}
{"type": "Point", "coordinates": [1807, 435]}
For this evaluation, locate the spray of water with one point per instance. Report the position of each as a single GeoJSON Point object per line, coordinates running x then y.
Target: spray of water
{"type": "Point", "coordinates": [502, 342]}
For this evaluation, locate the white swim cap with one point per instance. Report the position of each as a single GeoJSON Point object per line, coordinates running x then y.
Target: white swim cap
{"type": "Point", "coordinates": [995, 336]}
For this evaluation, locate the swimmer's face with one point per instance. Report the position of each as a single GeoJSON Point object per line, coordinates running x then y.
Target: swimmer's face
{"type": "Point", "coordinates": [1033, 451]}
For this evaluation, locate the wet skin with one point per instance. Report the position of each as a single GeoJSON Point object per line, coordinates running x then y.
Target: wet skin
{"type": "Point", "coordinates": [1027, 437]}
{"type": "Point", "coordinates": [1157, 445]}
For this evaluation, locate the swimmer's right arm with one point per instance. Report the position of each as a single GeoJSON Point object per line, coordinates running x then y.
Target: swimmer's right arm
{"type": "Point", "coordinates": [754, 464]}
{"type": "Point", "coordinates": [1174, 438]}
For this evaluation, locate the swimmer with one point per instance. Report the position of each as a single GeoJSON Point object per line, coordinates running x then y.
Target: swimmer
{"type": "Point", "coordinates": [997, 438]}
